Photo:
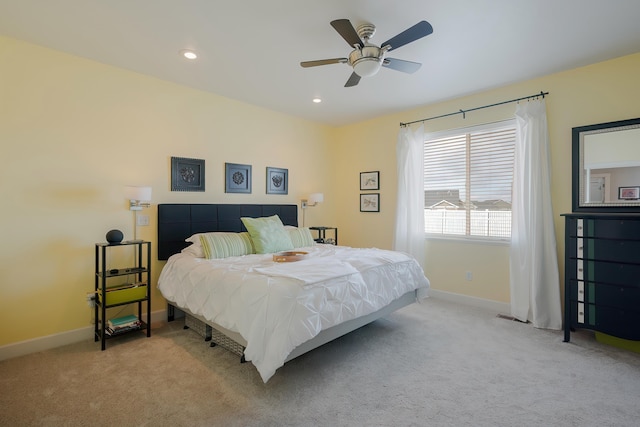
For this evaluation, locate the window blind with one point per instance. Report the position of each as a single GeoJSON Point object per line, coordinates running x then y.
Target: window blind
{"type": "Point", "coordinates": [468, 176]}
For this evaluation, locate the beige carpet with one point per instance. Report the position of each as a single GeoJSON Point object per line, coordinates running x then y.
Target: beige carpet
{"type": "Point", "coordinates": [430, 364]}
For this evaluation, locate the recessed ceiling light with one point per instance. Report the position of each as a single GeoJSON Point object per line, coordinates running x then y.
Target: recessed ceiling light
{"type": "Point", "coordinates": [189, 54]}
{"type": "Point", "coordinates": [317, 100]}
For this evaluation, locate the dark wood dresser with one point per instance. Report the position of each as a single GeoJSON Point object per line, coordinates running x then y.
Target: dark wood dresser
{"type": "Point", "coordinates": [602, 274]}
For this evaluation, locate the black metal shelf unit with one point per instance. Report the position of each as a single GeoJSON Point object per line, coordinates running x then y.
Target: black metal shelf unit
{"type": "Point", "coordinates": [322, 234]}
{"type": "Point", "coordinates": [109, 294]}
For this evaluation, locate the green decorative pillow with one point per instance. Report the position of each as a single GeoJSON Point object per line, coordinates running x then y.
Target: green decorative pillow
{"type": "Point", "coordinates": [268, 234]}
{"type": "Point", "coordinates": [223, 245]}
{"type": "Point", "coordinates": [301, 237]}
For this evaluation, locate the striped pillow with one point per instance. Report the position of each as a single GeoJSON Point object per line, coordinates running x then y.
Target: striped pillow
{"type": "Point", "coordinates": [223, 245]}
{"type": "Point", "coordinates": [301, 237]}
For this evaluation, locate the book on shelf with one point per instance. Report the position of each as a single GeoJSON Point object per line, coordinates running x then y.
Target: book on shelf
{"type": "Point", "coordinates": [122, 321]}
{"type": "Point", "coordinates": [122, 329]}
{"type": "Point", "coordinates": [123, 324]}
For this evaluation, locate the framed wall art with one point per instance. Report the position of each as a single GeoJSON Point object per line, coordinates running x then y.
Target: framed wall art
{"type": "Point", "coordinates": [370, 202]}
{"type": "Point", "coordinates": [370, 180]}
{"type": "Point", "coordinates": [277, 181]}
{"type": "Point", "coordinates": [237, 178]}
{"type": "Point", "coordinates": [187, 174]}
{"type": "Point", "coordinates": [628, 193]}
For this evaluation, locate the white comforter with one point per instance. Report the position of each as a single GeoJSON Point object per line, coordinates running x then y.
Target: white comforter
{"type": "Point", "coordinates": [278, 306]}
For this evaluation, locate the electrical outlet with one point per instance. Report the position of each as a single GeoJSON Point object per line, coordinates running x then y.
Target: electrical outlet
{"type": "Point", "coordinates": [91, 299]}
{"type": "Point", "coordinates": [469, 276]}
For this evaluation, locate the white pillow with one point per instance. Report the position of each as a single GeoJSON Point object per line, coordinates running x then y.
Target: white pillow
{"type": "Point", "coordinates": [195, 248]}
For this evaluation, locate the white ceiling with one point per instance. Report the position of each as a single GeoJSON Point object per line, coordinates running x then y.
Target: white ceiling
{"type": "Point", "coordinates": [250, 50]}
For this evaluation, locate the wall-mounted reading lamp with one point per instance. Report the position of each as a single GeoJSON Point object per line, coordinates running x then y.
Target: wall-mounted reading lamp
{"type": "Point", "coordinates": [139, 198]}
{"type": "Point", "coordinates": [314, 199]}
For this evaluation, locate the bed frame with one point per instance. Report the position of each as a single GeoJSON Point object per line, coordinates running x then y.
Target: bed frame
{"type": "Point", "coordinates": [177, 222]}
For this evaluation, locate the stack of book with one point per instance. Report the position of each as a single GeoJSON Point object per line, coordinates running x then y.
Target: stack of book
{"type": "Point", "coordinates": [123, 324]}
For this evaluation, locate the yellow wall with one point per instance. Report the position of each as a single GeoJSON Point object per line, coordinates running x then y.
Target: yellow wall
{"type": "Point", "coordinates": [73, 132]}
{"type": "Point", "coordinates": [598, 93]}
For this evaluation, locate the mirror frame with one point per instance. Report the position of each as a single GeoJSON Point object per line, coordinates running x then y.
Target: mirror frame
{"type": "Point", "coordinates": [577, 136]}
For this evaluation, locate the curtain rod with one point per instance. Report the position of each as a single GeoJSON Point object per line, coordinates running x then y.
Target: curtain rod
{"type": "Point", "coordinates": [464, 112]}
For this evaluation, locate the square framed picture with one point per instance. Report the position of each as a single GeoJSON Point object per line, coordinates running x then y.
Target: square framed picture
{"type": "Point", "coordinates": [187, 174]}
{"type": "Point", "coordinates": [277, 181]}
{"type": "Point", "coordinates": [628, 193]}
{"type": "Point", "coordinates": [370, 202]}
{"type": "Point", "coordinates": [237, 178]}
{"type": "Point", "coordinates": [370, 180]}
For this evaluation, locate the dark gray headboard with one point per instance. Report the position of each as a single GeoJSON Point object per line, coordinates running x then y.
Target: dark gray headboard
{"type": "Point", "coordinates": [176, 222]}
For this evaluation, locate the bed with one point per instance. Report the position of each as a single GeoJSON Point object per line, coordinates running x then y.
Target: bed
{"type": "Point", "coordinates": [274, 311]}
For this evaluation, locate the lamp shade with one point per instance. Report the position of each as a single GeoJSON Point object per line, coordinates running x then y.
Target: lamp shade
{"type": "Point", "coordinates": [316, 198]}
{"type": "Point", "coordinates": [367, 66]}
{"type": "Point", "coordinates": [142, 194]}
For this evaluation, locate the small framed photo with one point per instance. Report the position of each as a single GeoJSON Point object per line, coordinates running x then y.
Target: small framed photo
{"type": "Point", "coordinates": [370, 202]}
{"type": "Point", "coordinates": [277, 181]}
{"type": "Point", "coordinates": [237, 178]}
{"type": "Point", "coordinates": [370, 180]}
{"type": "Point", "coordinates": [628, 193]}
{"type": "Point", "coordinates": [187, 174]}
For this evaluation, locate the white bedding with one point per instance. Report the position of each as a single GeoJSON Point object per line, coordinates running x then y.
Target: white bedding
{"type": "Point", "coordinates": [277, 306]}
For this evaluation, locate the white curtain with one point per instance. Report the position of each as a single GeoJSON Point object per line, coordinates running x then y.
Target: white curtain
{"type": "Point", "coordinates": [409, 230]}
{"type": "Point", "coordinates": [535, 282]}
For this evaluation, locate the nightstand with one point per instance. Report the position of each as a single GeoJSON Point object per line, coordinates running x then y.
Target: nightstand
{"type": "Point", "coordinates": [115, 287]}
{"type": "Point", "coordinates": [322, 235]}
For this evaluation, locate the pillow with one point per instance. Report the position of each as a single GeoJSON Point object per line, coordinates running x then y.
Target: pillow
{"type": "Point", "coordinates": [195, 250]}
{"type": "Point", "coordinates": [225, 244]}
{"type": "Point", "coordinates": [268, 234]}
{"type": "Point", "coordinates": [300, 237]}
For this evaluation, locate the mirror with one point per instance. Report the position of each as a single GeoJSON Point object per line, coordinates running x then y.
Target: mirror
{"type": "Point", "coordinates": [606, 167]}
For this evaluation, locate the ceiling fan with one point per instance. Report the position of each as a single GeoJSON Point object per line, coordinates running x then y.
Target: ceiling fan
{"type": "Point", "coordinates": [367, 58]}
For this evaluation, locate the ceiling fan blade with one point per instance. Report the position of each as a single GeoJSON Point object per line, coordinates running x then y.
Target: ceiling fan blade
{"type": "Point", "coordinates": [346, 30]}
{"type": "Point", "coordinates": [307, 64]}
{"type": "Point", "coordinates": [353, 80]}
{"type": "Point", "coordinates": [421, 29]}
{"type": "Point", "coordinates": [401, 65]}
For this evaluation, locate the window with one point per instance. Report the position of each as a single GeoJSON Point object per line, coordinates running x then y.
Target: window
{"type": "Point", "coordinates": [468, 175]}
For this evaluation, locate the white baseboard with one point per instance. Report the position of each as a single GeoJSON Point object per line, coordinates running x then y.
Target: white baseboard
{"type": "Point", "coordinates": [58, 340]}
{"type": "Point", "coordinates": [498, 307]}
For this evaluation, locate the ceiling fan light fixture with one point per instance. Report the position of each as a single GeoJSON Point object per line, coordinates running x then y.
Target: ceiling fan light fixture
{"type": "Point", "coordinates": [366, 58]}
{"type": "Point", "coordinates": [367, 66]}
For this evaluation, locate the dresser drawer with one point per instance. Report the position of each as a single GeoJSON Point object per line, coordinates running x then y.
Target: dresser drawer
{"type": "Point", "coordinates": [620, 323]}
{"type": "Point", "coordinates": [622, 297]}
{"type": "Point", "coordinates": [613, 273]}
{"type": "Point", "coordinates": [576, 290]}
{"type": "Point", "coordinates": [582, 315]}
{"type": "Point", "coordinates": [613, 228]}
{"type": "Point", "coordinates": [627, 298]}
{"type": "Point", "coordinates": [627, 251]}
